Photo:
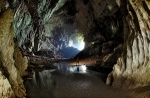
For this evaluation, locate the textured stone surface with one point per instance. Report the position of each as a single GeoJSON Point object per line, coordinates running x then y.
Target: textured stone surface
{"type": "Point", "coordinates": [43, 26]}
{"type": "Point", "coordinates": [33, 23]}
{"type": "Point", "coordinates": [133, 67]}
{"type": "Point", "coordinates": [10, 78]}
{"type": "Point", "coordinates": [21, 61]}
{"type": "Point", "coordinates": [5, 87]}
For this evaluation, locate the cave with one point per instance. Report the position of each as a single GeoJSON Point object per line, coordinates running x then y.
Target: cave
{"type": "Point", "coordinates": [74, 48]}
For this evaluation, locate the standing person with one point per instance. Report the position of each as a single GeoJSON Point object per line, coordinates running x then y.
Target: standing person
{"type": "Point", "coordinates": [77, 68]}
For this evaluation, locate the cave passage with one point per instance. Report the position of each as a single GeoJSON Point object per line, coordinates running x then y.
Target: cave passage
{"type": "Point", "coordinates": [75, 48]}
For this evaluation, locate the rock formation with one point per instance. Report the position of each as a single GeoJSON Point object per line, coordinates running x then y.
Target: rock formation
{"type": "Point", "coordinates": [10, 73]}
{"type": "Point", "coordinates": [133, 66]}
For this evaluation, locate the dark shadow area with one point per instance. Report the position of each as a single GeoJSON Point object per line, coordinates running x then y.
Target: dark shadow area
{"type": "Point", "coordinates": [100, 69]}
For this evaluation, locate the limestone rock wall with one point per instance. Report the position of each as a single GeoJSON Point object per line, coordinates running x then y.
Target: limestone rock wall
{"type": "Point", "coordinates": [133, 66]}
{"type": "Point", "coordinates": [5, 87]}
{"type": "Point", "coordinates": [50, 25]}
{"type": "Point", "coordinates": [11, 83]}
{"type": "Point", "coordinates": [34, 22]}
{"type": "Point", "coordinates": [21, 61]}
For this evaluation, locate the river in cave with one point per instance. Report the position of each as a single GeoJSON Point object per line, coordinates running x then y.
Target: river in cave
{"type": "Point", "coordinates": [68, 82]}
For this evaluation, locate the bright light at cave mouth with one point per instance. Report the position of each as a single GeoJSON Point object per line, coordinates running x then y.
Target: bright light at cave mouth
{"type": "Point", "coordinates": [81, 45]}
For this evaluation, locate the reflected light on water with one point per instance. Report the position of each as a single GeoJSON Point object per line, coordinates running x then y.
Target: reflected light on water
{"type": "Point", "coordinates": [83, 68]}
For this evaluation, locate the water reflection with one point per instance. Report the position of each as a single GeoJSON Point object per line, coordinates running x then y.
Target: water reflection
{"type": "Point", "coordinates": [41, 85]}
{"type": "Point", "coordinates": [75, 69]}
{"type": "Point", "coordinates": [65, 82]}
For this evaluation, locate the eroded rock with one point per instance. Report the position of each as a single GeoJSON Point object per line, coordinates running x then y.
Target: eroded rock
{"type": "Point", "coordinates": [10, 72]}
{"type": "Point", "coordinates": [133, 67]}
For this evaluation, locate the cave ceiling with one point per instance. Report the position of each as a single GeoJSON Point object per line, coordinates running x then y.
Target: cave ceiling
{"type": "Point", "coordinates": [55, 25]}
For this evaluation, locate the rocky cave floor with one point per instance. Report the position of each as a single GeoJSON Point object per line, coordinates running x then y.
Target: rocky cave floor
{"type": "Point", "coordinates": [77, 85]}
